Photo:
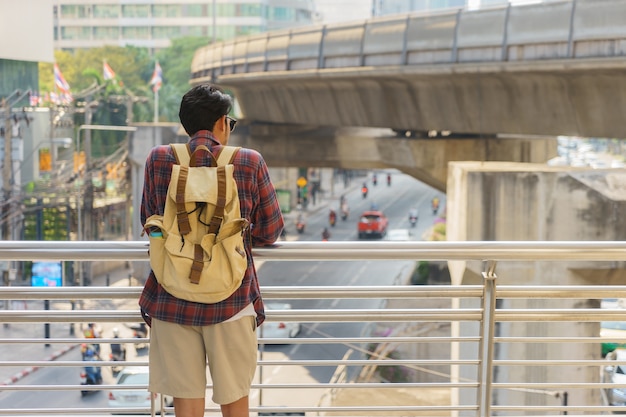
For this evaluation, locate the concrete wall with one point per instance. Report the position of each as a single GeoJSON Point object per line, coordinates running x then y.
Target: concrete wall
{"type": "Point", "coordinates": [504, 201]}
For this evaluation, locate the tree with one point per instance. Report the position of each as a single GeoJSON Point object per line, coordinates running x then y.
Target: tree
{"type": "Point", "coordinates": [133, 68]}
{"type": "Point", "coordinates": [175, 62]}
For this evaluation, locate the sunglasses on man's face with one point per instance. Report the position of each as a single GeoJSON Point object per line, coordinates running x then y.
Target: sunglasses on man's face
{"type": "Point", "coordinates": [232, 122]}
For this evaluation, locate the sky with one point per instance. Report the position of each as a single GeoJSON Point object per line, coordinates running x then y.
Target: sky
{"type": "Point", "coordinates": [344, 10]}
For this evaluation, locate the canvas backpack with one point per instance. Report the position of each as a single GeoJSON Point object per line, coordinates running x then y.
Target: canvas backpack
{"type": "Point", "coordinates": [198, 254]}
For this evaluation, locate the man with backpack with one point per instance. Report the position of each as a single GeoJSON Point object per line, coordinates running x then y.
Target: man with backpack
{"type": "Point", "coordinates": [185, 334]}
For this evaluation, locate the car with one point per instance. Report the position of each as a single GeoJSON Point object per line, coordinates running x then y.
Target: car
{"type": "Point", "coordinates": [124, 398]}
{"type": "Point", "coordinates": [398, 235]}
{"type": "Point", "coordinates": [278, 330]}
{"type": "Point", "coordinates": [616, 374]}
{"type": "Point", "coordinates": [372, 223]}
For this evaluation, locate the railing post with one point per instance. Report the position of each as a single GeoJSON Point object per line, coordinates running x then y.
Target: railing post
{"type": "Point", "coordinates": [485, 354]}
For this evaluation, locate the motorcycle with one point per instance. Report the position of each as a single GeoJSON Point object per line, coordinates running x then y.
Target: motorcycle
{"type": "Point", "coordinates": [117, 356]}
{"type": "Point", "coordinates": [332, 218]}
{"type": "Point", "coordinates": [91, 374]}
{"type": "Point", "coordinates": [344, 212]}
{"type": "Point", "coordinates": [413, 217]}
{"type": "Point", "coordinates": [435, 205]}
{"type": "Point", "coordinates": [389, 180]}
{"type": "Point", "coordinates": [374, 179]}
{"type": "Point", "coordinates": [364, 191]}
{"type": "Point", "coordinates": [300, 225]}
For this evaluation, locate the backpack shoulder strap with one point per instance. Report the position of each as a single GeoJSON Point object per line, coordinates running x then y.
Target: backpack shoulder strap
{"type": "Point", "coordinates": [227, 154]}
{"type": "Point", "coordinates": [181, 152]}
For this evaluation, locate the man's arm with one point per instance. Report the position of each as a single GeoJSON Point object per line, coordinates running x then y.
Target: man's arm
{"type": "Point", "coordinates": [268, 223]}
{"type": "Point", "coordinates": [147, 199]}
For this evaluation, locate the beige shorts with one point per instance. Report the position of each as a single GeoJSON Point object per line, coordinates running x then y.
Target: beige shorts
{"type": "Point", "coordinates": [179, 354]}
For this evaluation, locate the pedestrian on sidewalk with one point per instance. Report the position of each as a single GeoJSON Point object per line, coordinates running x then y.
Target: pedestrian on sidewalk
{"type": "Point", "coordinates": [185, 335]}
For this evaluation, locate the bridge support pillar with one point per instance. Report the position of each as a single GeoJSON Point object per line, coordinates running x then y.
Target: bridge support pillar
{"type": "Point", "coordinates": [532, 202]}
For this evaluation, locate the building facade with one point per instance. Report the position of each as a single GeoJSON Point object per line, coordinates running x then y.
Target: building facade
{"type": "Point", "coordinates": [95, 23]}
{"type": "Point", "coordinates": [387, 7]}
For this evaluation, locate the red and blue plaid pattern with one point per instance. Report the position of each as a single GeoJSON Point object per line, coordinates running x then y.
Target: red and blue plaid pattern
{"type": "Point", "coordinates": [258, 204]}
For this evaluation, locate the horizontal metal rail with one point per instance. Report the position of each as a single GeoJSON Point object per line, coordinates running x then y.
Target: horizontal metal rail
{"type": "Point", "coordinates": [337, 251]}
{"type": "Point", "coordinates": [373, 353]}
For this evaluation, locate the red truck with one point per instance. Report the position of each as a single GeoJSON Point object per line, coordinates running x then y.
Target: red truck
{"type": "Point", "coordinates": [372, 223]}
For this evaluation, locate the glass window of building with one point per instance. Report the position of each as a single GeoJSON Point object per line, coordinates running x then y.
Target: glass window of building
{"type": "Point", "coordinates": [134, 32]}
{"type": "Point", "coordinates": [166, 32]}
{"type": "Point", "coordinates": [74, 12]}
{"type": "Point", "coordinates": [167, 10]}
{"type": "Point", "coordinates": [248, 10]}
{"type": "Point", "coordinates": [106, 10]}
{"type": "Point", "coordinates": [226, 10]}
{"type": "Point", "coordinates": [282, 14]}
{"type": "Point", "coordinates": [303, 15]}
{"type": "Point", "coordinates": [75, 32]}
{"type": "Point", "coordinates": [69, 11]}
{"type": "Point", "coordinates": [136, 10]}
{"type": "Point", "coordinates": [106, 32]}
{"type": "Point", "coordinates": [195, 10]}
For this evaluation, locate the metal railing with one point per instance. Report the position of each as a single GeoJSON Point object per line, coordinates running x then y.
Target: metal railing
{"type": "Point", "coordinates": [573, 29]}
{"type": "Point", "coordinates": [479, 349]}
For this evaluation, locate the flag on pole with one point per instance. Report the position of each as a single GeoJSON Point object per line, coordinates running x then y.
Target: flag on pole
{"type": "Point", "coordinates": [157, 78]}
{"type": "Point", "coordinates": [107, 71]}
{"type": "Point", "coordinates": [59, 80]}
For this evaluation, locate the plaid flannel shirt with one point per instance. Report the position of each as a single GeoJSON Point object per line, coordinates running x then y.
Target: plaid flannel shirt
{"type": "Point", "coordinates": [258, 204]}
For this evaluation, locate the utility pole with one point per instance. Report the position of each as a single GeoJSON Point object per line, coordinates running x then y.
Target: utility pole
{"type": "Point", "coordinates": [6, 170]}
{"type": "Point", "coordinates": [6, 190]}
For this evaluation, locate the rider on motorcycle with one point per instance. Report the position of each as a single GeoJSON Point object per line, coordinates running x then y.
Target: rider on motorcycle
{"type": "Point", "coordinates": [344, 210]}
{"type": "Point", "coordinates": [332, 217]}
{"type": "Point", "coordinates": [435, 204]}
{"type": "Point", "coordinates": [117, 350]}
{"type": "Point", "coordinates": [92, 332]}
{"type": "Point", "coordinates": [325, 234]}
{"type": "Point", "coordinates": [413, 216]}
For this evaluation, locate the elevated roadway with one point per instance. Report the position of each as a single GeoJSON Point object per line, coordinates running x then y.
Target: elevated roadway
{"type": "Point", "coordinates": [546, 69]}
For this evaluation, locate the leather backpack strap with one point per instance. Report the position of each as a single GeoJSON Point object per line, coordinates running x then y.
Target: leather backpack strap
{"type": "Point", "coordinates": [194, 157]}
{"type": "Point", "coordinates": [226, 153]}
{"type": "Point", "coordinates": [218, 214]}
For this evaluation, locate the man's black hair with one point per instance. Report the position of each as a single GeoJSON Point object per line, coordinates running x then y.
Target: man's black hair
{"type": "Point", "coordinates": [202, 106]}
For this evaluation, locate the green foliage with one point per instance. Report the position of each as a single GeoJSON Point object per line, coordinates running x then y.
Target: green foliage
{"type": "Point", "coordinates": [175, 62]}
{"type": "Point", "coordinates": [421, 273]}
{"type": "Point", "coordinates": [133, 68]}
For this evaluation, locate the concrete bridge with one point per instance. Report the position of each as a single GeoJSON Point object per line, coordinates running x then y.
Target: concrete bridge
{"type": "Point", "coordinates": [462, 84]}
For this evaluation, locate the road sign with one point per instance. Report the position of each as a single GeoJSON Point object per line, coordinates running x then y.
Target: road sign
{"type": "Point", "coordinates": [301, 182]}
